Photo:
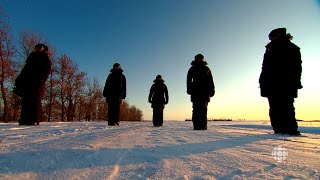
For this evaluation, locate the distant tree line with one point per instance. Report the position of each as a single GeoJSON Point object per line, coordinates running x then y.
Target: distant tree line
{"type": "Point", "coordinates": [70, 94]}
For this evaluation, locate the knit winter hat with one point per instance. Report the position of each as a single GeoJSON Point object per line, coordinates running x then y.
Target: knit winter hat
{"type": "Point", "coordinates": [279, 32]}
{"type": "Point", "coordinates": [116, 65]}
{"type": "Point", "coordinates": [199, 57]}
{"type": "Point", "coordinates": [158, 77]}
{"type": "Point", "coordinates": [41, 46]}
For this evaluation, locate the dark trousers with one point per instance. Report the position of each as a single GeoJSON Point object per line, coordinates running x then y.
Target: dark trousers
{"type": "Point", "coordinates": [199, 114]}
{"type": "Point", "coordinates": [114, 112]}
{"type": "Point", "coordinates": [282, 114]}
{"type": "Point", "coordinates": [157, 117]}
{"type": "Point", "coordinates": [31, 111]}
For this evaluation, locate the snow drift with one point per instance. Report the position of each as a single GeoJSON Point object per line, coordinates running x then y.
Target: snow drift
{"type": "Point", "coordinates": [137, 150]}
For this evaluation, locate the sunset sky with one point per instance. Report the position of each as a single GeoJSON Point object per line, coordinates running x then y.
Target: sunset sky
{"type": "Point", "coordinates": [150, 37]}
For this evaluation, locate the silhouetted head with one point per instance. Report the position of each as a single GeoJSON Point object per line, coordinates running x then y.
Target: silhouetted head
{"type": "Point", "coordinates": [199, 57]}
{"type": "Point", "coordinates": [279, 33]}
{"type": "Point", "coordinates": [116, 66]}
{"type": "Point", "coordinates": [41, 47]}
{"type": "Point", "coordinates": [159, 77]}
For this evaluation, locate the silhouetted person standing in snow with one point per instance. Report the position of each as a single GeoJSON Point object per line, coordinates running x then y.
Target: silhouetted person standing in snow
{"type": "Point", "coordinates": [280, 80]}
{"type": "Point", "coordinates": [30, 85]}
{"type": "Point", "coordinates": [158, 97]}
{"type": "Point", "coordinates": [201, 87]}
{"type": "Point", "coordinates": [114, 91]}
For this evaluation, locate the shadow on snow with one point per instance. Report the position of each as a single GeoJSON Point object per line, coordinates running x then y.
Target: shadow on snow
{"type": "Point", "coordinates": [56, 160]}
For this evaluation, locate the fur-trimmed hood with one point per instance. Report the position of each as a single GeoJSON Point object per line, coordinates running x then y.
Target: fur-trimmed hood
{"type": "Point", "coordinates": [199, 63]}
{"type": "Point", "coordinates": [158, 81]}
{"type": "Point", "coordinates": [116, 70]}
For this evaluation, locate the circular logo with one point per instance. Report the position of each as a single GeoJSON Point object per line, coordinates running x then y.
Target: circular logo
{"type": "Point", "coordinates": [279, 153]}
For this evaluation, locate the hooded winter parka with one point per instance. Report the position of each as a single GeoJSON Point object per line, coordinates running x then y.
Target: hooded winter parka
{"type": "Point", "coordinates": [115, 86]}
{"type": "Point", "coordinates": [200, 83]}
{"type": "Point", "coordinates": [158, 95]}
{"type": "Point", "coordinates": [31, 80]}
{"type": "Point", "coordinates": [281, 70]}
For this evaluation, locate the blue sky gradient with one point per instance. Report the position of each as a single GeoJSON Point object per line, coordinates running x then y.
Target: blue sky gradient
{"type": "Point", "coordinates": [150, 37]}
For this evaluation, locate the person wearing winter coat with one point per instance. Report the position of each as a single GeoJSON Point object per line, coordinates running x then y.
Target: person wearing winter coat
{"type": "Point", "coordinates": [201, 87]}
{"type": "Point", "coordinates": [280, 80]}
{"type": "Point", "coordinates": [115, 91]}
{"type": "Point", "coordinates": [158, 97]}
{"type": "Point", "coordinates": [30, 85]}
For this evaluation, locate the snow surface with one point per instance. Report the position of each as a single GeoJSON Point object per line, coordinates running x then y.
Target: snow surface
{"type": "Point", "coordinates": [137, 150]}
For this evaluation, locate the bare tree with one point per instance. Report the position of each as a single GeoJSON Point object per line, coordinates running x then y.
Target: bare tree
{"type": "Point", "coordinates": [102, 109]}
{"type": "Point", "coordinates": [130, 113]}
{"type": "Point", "coordinates": [62, 65]}
{"type": "Point", "coordinates": [51, 91]}
{"type": "Point", "coordinates": [135, 114]}
{"type": "Point", "coordinates": [93, 99]}
{"type": "Point", "coordinates": [123, 110]}
{"type": "Point", "coordinates": [81, 108]}
{"type": "Point", "coordinates": [75, 88]}
{"type": "Point", "coordinates": [7, 51]}
{"type": "Point", "coordinates": [14, 100]}
{"type": "Point", "coordinates": [65, 95]}
{"type": "Point", "coordinates": [28, 39]}
{"type": "Point", "coordinates": [70, 82]}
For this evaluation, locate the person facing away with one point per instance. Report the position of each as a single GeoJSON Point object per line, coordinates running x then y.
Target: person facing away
{"type": "Point", "coordinates": [30, 85]}
{"type": "Point", "coordinates": [114, 91]}
{"type": "Point", "coordinates": [158, 97]}
{"type": "Point", "coordinates": [280, 80]}
{"type": "Point", "coordinates": [201, 87]}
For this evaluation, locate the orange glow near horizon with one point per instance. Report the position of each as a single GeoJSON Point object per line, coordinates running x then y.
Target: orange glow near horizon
{"type": "Point", "coordinates": [258, 111]}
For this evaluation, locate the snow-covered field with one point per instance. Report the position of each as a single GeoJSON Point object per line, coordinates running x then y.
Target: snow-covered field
{"type": "Point", "coordinates": [136, 150]}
